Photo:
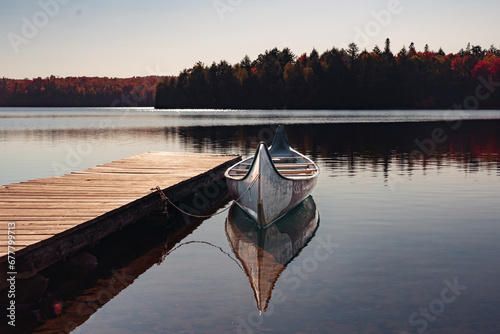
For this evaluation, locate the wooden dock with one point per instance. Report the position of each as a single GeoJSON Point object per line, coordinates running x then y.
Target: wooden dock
{"type": "Point", "coordinates": [52, 218]}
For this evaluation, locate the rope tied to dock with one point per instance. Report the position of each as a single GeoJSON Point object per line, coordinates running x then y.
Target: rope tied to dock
{"type": "Point", "coordinates": [167, 200]}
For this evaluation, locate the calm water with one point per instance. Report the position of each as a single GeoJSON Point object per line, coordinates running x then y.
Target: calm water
{"type": "Point", "coordinates": [406, 240]}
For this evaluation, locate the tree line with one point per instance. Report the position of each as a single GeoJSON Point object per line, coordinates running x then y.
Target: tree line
{"type": "Point", "coordinates": [79, 92]}
{"type": "Point", "coordinates": [340, 79]}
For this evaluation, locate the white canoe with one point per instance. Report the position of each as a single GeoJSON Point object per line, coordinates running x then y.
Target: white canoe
{"type": "Point", "coordinates": [272, 182]}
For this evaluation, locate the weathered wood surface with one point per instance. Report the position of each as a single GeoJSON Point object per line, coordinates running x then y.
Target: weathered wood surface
{"type": "Point", "coordinates": [56, 216]}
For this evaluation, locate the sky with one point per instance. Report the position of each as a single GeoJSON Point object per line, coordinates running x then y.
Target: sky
{"type": "Point", "coordinates": [124, 38]}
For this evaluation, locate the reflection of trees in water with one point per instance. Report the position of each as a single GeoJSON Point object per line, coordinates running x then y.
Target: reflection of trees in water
{"type": "Point", "coordinates": [376, 146]}
{"type": "Point", "coordinates": [474, 145]}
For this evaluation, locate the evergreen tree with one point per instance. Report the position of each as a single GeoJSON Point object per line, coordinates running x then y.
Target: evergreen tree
{"type": "Point", "coordinates": [477, 51]}
{"type": "Point", "coordinates": [403, 53]}
{"type": "Point", "coordinates": [246, 63]}
{"type": "Point", "coordinates": [387, 48]}
{"type": "Point", "coordinates": [353, 52]}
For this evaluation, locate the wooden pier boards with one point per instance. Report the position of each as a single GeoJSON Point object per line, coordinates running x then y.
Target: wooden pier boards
{"type": "Point", "coordinates": [49, 219]}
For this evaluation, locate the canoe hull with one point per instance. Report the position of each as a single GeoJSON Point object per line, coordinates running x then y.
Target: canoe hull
{"type": "Point", "coordinates": [264, 193]}
{"type": "Point", "coordinates": [277, 196]}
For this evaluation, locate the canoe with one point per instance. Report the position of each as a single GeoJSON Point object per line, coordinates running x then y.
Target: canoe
{"type": "Point", "coordinates": [273, 181]}
{"type": "Point", "coordinates": [265, 253]}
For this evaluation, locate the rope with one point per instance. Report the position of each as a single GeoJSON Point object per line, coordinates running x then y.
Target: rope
{"type": "Point", "coordinates": [202, 242]}
{"type": "Point", "coordinates": [167, 200]}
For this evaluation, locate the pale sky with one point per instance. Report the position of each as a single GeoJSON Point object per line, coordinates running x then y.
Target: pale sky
{"type": "Point", "coordinates": [123, 38]}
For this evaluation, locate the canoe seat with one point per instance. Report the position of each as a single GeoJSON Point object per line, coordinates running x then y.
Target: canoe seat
{"type": "Point", "coordinates": [294, 166]}
{"type": "Point", "coordinates": [286, 165]}
{"type": "Point", "coordinates": [297, 171]}
{"type": "Point", "coordinates": [285, 172]}
{"type": "Point", "coordinates": [238, 171]}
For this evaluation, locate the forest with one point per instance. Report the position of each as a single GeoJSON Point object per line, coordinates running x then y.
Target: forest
{"type": "Point", "coordinates": [79, 92]}
{"type": "Point", "coordinates": [341, 79]}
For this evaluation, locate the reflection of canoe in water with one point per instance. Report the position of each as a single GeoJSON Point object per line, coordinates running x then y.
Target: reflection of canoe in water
{"type": "Point", "coordinates": [279, 179]}
{"type": "Point", "coordinates": [265, 253]}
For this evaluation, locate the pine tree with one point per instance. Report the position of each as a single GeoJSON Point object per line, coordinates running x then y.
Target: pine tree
{"type": "Point", "coordinates": [387, 49]}
{"type": "Point", "coordinates": [353, 52]}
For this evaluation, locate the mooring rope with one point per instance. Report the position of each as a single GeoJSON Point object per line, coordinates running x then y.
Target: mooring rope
{"type": "Point", "coordinates": [167, 200]}
{"type": "Point", "coordinates": [201, 242]}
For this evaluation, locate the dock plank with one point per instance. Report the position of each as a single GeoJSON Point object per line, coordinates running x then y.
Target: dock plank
{"type": "Point", "coordinates": [87, 205]}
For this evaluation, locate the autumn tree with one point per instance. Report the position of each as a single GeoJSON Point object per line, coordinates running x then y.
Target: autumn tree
{"type": "Point", "coordinates": [336, 79]}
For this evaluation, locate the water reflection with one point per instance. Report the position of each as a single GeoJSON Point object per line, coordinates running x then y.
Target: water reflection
{"type": "Point", "coordinates": [347, 147]}
{"type": "Point", "coordinates": [82, 290]}
{"type": "Point", "coordinates": [265, 253]}
{"type": "Point", "coordinates": [387, 149]}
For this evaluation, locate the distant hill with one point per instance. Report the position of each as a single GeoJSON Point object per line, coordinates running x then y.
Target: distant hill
{"type": "Point", "coordinates": [79, 92]}
{"type": "Point", "coordinates": [342, 79]}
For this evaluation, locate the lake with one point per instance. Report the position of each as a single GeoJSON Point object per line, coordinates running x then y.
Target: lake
{"type": "Point", "coordinates": [406, 237]}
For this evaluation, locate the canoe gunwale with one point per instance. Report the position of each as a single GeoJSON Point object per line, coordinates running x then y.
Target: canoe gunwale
{"type": "Point", "coordinates": [252, 166]}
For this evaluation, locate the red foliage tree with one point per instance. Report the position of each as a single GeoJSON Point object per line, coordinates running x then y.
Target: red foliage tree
{"type": "Point", "coordinates": [490, 65]}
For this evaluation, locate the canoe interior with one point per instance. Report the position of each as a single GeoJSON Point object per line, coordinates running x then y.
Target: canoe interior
{"type": "Point", "coordinates": [290, 167]}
